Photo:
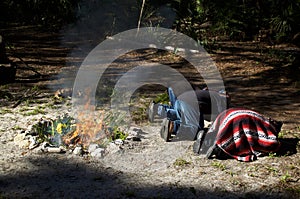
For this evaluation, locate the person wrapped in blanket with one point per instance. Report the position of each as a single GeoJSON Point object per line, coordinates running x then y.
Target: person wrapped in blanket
{"type": "Point", "coordinates": [235, 132]}
{"type": "Point", "coordinates": [241, 134]}
{"type": "Point", "coordinates": [183, 117]}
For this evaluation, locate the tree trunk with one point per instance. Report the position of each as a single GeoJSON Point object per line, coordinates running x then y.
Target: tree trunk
{"type": "Point", "coordinates": [3, 56]}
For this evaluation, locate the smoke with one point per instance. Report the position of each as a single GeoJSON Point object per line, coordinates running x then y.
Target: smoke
{"type": "Point", "coordinates": [98, 20]}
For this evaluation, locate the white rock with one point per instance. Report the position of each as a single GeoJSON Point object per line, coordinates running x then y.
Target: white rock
{"type": "Point", "coordinates": [20, 140]}
{"type": "Point", "coordinates": [133, 133]}
{"type": "Point", "coordinates": [33, 142]}
{"type": "Point", "coordinates": [30, 129]}
{"type": "Point", "coordinates": [24, 144]}
{"type": "Point", "coordinates": [112, 148]}
{"type": "Point", "coordinates": [54, 150]}
{"type": "Point", "coordinates": [98, 153]}
{"type": "Point", "coordinates": [77, 150]}
{"type": "Point", "coordinates": [44, 146]}
{"type": "Point", "coordinates": [118, 142]}
{"type": "Point", "coordinates": [19, 137]}
{"type": "Point", "coordinates": [92, 147]}
{"type": "Point", "coordinates": [38, 149]}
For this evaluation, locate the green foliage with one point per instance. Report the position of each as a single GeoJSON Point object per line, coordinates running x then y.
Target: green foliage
{"type": "Point", "coordinates": [285, 177]}
{"type": "Point", "coordinates": [218, 165]}
{"type": "Point", "coordinates": [5, 111]}
{"type": "Point", "coordinates": [281, 134]}
{"type": "Point", "coordinates": [180, 162]}
{"type": "Point", "coordinates": [162, 98]}
{"type": "Point", "coordinates": [273, 155]}
{"type": "Point", "coordinates": [118, 134]}
{"type": "Point", "coordinates": [233, 19]}
{"type": "Point", "coordinates": [237, 19]}
{"type": "Point", "coordinates": [36, 111]}
{"type": "Point", "coordinates": [52, 130]}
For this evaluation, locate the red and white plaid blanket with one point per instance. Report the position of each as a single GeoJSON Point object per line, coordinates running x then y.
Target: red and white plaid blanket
{"type": "Point", "coordinates": [244, 134]}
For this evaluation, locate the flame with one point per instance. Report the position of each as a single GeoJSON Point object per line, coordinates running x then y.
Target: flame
{"type": "Point", "coordinates": [90, 126]}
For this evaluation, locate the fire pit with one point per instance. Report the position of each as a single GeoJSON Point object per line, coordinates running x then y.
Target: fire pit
{"type": "Point", "coordinates": [84, 135]}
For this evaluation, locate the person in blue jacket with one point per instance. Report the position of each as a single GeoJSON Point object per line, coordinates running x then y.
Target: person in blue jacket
{"type": "Point", "coordinates": [185, 118]}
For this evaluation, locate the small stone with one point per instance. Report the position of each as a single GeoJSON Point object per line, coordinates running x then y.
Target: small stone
{"type": "Point", "coordinates": [33, 142]}
{"type": "Point", "coordinates": [98, 153]}
{"type": "Point", "coordinates": [112, 148]}
{"type": "Point", "coordinates": [54, 150]}
{"type": "Point", "coordinates": [44, 146]}
{"type": "Point", "coordinates": [38, 150]}
{"type": "Point", "coordinates": [92, 147]}
{"type": "Point", "coordinates": [118, 142]}
{"type": "Point", "coordinates": [78, 150]}
{"type": "Point", "coordinates": [133, 134]}
{"type": "Point", "coordinates": [24, 144]}
{"type": "Point", "coordinates": [21, 141]}
{"type": "Point", "coordinates": [19, 137]}
{"type": "Point", "coordinates": [30, 129]}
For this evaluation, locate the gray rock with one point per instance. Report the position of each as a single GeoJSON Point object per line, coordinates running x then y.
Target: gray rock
{"type": "Point", "coordinates": [98, 153]}
{"type": "Point", "coordinates": [33, 142]}
{"type": "Point", "coordinates": [21, 141]}
{"type": "Point", "coordinates": [54, 149]}
{"type": "Point", "coordinates": [112, 148]}
{"type": "Point", "coordinates": [78, 150]}
{"type": "Point", "coordinates": [133, 134]}
{"type": "Point", "coordinates": [92, 147]}
{"type": "Point", "coordinates": [119, 142]}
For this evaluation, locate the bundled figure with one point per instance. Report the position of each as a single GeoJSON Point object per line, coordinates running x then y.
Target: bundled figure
{"type": "Point", "coordinates": [241, 134]}
{"type": "Point", "coordinates": [235, 132]}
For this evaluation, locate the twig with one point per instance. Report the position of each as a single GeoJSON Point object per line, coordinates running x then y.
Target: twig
{"type": "Point", "coordinates": [27, 66]}
{"type": "Point", "coordinates": [24, 97]}
{"type": "Point", "coordinates": [140, 17]}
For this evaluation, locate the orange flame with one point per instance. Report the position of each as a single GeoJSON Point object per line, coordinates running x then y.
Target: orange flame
{"type": "Point", "coordinates": [90, 126]}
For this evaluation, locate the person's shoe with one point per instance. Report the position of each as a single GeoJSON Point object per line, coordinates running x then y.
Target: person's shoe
{"type": "Point", "coordinates": [212, 151]}
{"type": "Point", "coordinates": [199, 140]}
{"type": "Point", "coordinates": [165, 131]}
{"type": "Point", "coordinates": [152, 110]}
{"type": "Point", "coordinates": [216, 152]}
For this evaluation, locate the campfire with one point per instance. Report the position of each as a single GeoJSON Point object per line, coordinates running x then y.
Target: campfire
{"type": "Point", "coordinates": [90, 132]}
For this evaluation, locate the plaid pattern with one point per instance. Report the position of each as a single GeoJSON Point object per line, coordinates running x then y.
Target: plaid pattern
{"type": "Point", "coordinates": [245, 134]}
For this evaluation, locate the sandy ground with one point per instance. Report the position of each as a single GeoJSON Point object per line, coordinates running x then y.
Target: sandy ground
{"type": "Point", "coordinates": [153, 168]}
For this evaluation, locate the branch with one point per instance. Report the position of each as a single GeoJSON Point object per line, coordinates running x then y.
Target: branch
{"type": "Point", "coordinates": [140, 18]}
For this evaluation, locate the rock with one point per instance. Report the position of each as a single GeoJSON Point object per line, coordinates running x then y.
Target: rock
{"type": "Point", "coordinates": [98, 153]}
{"type": "Point", "coordinates": [133, 134]}
{"type": "Point", "coordinates": [39, 149]}
{"type": "Point", "coordinates": [24, 144]}
{"type": "Point", "coordinates": [30, 130]}
{"type": "Point", "coordinates": [92, 147]}
{"type": "Point", "coordinates": [54, 150]}
{"type": "Point", "coordinates": [19, 137]}
{"type": "Point", "coordinates": [33, 142]}
{"type": "Point", "coordinates": [44, 146]}
{"type": "Point", "coordinates": [112, 148]}
{"type": "Point", "coordinates": [78, 150]}
{"type": "Point", "coordinates": [118, 142]}
{"type": "Point", "coordinates": [21, 141]}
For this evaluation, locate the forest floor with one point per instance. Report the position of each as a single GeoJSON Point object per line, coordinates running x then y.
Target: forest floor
{"type": "Point", "coordinates": [257, 76]}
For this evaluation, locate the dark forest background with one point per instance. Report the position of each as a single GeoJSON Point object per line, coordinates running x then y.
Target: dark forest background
{"type": "Point", "coordinates": [205, 20]}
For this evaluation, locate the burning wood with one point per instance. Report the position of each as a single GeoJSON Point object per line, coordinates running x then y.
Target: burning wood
{"type": "Point", "coordinates": [66, 133]}
{"type": "Point", "coordinates": [73, 138]}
